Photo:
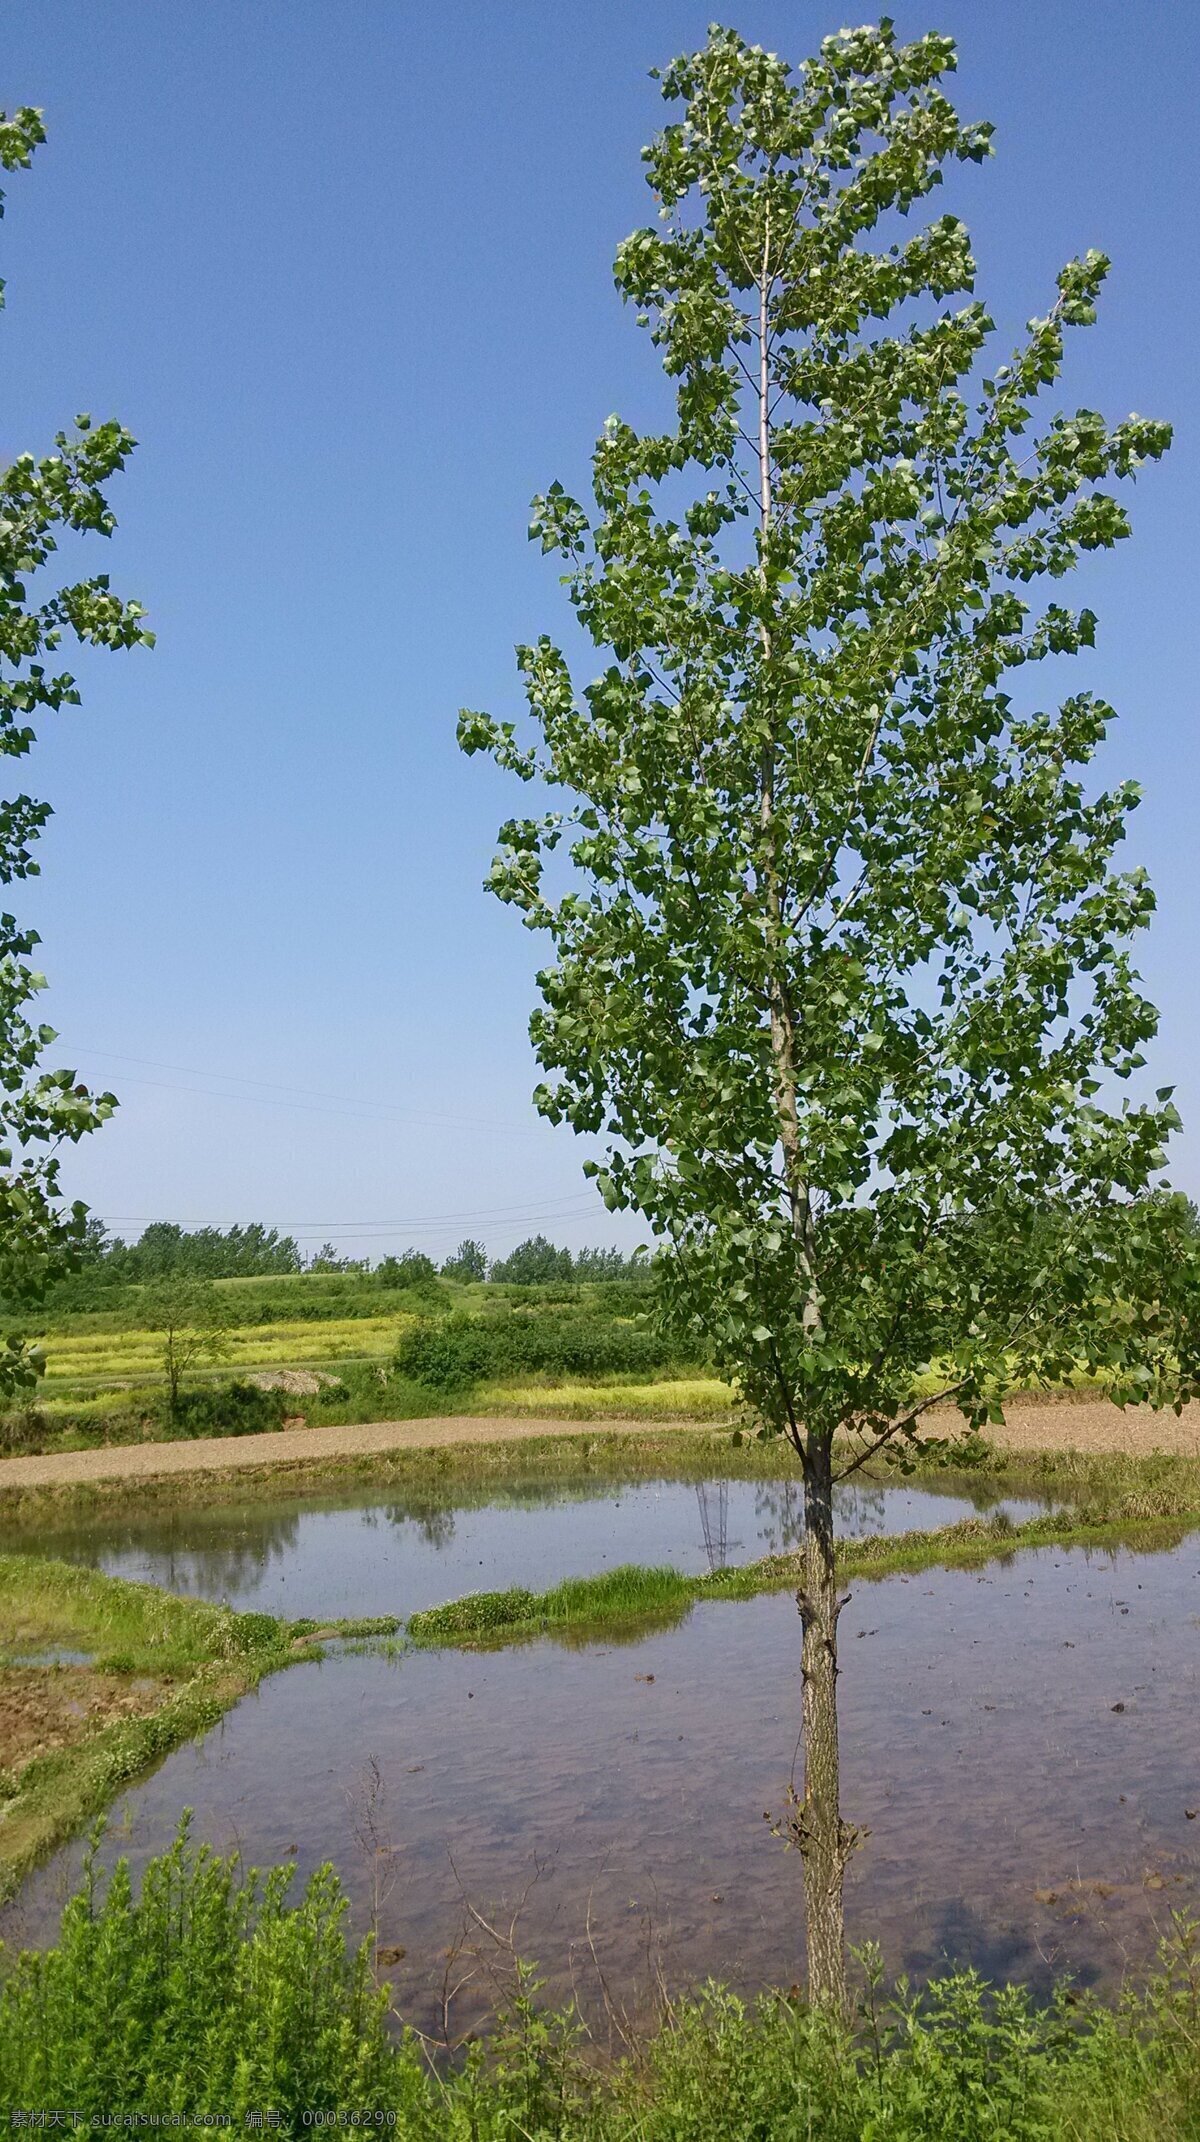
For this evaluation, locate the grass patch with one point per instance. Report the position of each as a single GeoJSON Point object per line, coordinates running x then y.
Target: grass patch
{"type": "Point", "coordinates": [150, 1631]}
{"type": "Point", "coordinates": [693, 1398]}
{"type": "Point", "coordinates": [618, 1594]}
{"type": "Point", "coordinates": [194, 1659]}
{"type": "Point", "coordinates": [623, 1595]}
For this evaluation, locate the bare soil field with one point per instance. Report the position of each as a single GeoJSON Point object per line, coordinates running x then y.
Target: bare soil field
{"type": "Point", "coordinates": [46, 1709]}
{"type": "Point", "coordinates": [1088, 1425]}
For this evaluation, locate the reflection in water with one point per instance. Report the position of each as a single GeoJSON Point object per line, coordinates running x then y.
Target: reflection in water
{"type": "Point", "coordinates": [202, 1552]}
{"type": "Point", "coordinates": [713, 1499]}
{"type": "Point", "coordinates": [859, 1507]}
{"type": "Point", "coordinates": [1019, 1742]}
{"type": "Point", "coordinates": [779, 1506]}
{"type": "Point", "coordinates": [436, 1526]}
{"type": "Point", "coordinates": [359, 1553]}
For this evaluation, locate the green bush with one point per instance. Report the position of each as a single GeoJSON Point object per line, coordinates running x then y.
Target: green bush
{"type": "Point", "coordinates": [412, 1269]}
{"type": "Point", "coordinates": [450, 1355]}
{"type": "Point", "coordinates": [460, 1351]}
{"type": "Point", "coordinates": [227, 1409]}
{"type": "Point", "coordinates": [368, 1391]}
{"type": "Point", "coordinates": [23, 1428]}
{"type": "Point", "coordinates": [213, 1993]}
{"type": "Point", "coordinates": [206, 1995]}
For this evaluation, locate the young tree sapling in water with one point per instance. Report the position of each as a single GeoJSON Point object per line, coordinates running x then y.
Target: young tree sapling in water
{"type": "Point", "coordinates": [841, 973]}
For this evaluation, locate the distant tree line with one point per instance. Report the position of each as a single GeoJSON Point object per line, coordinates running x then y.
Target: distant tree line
{"type": "Point", "coordinates": [537, 1263]}
{"type": "Point", "coordinates": [166, 1251]}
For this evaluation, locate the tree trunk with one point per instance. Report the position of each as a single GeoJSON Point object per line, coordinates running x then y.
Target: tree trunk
{"type": "Point", "coordinates": [824, 1838]}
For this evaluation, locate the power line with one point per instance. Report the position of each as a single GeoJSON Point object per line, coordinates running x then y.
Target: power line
{"type": "Point", "coordinates": [363, 1111]}
{"type": "Point", "coordinates": [573, 1206]}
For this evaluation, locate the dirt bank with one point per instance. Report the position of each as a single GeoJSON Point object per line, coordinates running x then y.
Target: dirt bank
{"type": "Point", "coordinates": [1089, 1425]}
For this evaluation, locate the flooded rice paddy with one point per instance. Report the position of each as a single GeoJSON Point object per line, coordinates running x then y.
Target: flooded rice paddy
{"type": "Point", "coordinates": [360, 1554]}
{"type": "Point", "coordinates": [1021, 1742]}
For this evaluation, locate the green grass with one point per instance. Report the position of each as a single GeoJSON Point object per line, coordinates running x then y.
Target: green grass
{"type": "Point", "coordinates": [664, 1397]}
{"type": "Point", "coordinates": [200, 1659]}
{"type": "Point", "coordinates": [57, 1603]}
{"type": "Point", "coordinates": [1153, 1514]}
{"type": "Point", "coordinates": [616, 1595]}
{"type": "Point", "coordinates": [214, 1992]}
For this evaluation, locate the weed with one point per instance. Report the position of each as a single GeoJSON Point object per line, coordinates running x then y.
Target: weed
{"type": "Point", "coordinates": [215, 1992]}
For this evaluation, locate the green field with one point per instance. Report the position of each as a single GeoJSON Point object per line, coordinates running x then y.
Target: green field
{"type": "Point", "coordinates": [77, 1360]}
{"type": "Point", "coordinates": [584, 1351]}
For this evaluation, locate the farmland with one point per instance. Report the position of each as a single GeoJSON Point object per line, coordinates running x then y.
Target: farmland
{"type": "Point", "coordinates": [727, 1673]}
{"type": "Point", "coordinates": [311, 1349]}
{"type": "Point", "coordinates": [325, 1350]}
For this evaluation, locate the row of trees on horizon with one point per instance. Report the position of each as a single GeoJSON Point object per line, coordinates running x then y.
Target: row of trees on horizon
{"type": "Point", "coordinates": [166, 1250]}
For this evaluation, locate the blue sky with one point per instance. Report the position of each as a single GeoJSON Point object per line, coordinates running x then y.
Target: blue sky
{"type": "Point", "coordinates": [343, 266]}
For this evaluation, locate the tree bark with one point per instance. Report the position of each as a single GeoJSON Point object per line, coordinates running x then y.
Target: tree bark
{"type": "Point", "coordinates": [823, 1836]}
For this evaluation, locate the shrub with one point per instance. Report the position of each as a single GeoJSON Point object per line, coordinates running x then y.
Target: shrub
{"type": "Point", "coordinates": [227, 1409]}
{"type": "Point", "coordinates": [449, 1355]}
{"type": "Point", "coordinates": [214, 1993]}
{"type": "Point", "coordinates": [461, 1351]}
{"type": "Point", "coordinates": [413, 1270]}
{"type": "Point", "coordinates": [208, 1993]}
{"type": "Point", "coordinates": [24, 1428]}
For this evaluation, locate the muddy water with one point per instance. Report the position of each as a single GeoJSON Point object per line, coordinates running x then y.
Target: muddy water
{"type": "Point", "coordinates": [365, 1555]}
{"type": "Point", "coordinates": [1021, 1742]}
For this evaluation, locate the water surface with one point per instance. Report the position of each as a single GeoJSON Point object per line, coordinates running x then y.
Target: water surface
{"type": "Point", "coordinates": [1020, 1742]}
{"type": "Point", "coordinates": [365, 1553]}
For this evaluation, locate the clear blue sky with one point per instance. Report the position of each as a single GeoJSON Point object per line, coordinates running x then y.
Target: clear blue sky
{"type": "Point", "coordinates": [343, 266]}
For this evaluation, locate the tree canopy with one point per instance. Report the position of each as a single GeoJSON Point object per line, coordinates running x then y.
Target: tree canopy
{"type": "Point", "coordinates": [42, 1110]}
{"type": "Point", "coordinates": [842, 972]}
{"type": "Point", "coordinates": [537, 1262]}
{"type": "Point", "coordinates": [164, 1250]}
{"type": "Point", "coordinates": [842, 968]}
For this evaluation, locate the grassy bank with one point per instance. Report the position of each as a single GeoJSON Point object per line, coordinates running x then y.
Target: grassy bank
{"type": "Point", "coordinates": [1153, 1513]}
{"type": "Point", "coordinates": [99, 1678]}
{"type": "Point", "coordinates": [440, 1471]}
{"type": "Point", "coordinates": [214, 1994]}
{"type": "Point", "coordinates": [445, 1475]}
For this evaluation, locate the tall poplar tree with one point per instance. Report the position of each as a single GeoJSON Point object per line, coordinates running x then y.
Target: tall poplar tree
{"type": "Point", "coordinates": [842, 970]}
{"type": "Point", "coordinates": [41, 1110]}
